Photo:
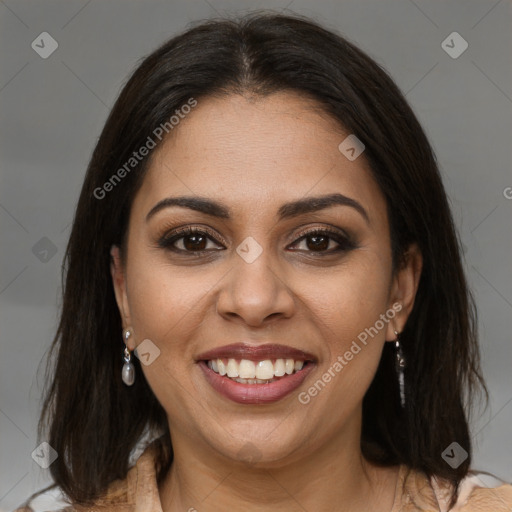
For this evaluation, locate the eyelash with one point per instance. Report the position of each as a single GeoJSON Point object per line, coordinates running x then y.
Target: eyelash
{"type": "Point", "coordinates": [344, 242]}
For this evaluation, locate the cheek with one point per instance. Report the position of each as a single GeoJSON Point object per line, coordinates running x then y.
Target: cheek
{"type": "Point", "coordinates": [350, 312]}
{"type": "Point", "coordinates": [348, 301]}
{"type": "Point", "coordinates": [163, 300]}
{"type": "Point", "coordinates": [169, 306]}
{"type": "Point", "coordinates": [165, 306]}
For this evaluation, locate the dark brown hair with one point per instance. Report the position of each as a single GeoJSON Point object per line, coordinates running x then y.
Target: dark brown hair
{"type": "Point", "coordinates": [94, 420]}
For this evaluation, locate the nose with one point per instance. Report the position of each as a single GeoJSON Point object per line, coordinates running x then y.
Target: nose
{"type": "Point", "coordinates": [255, 293]}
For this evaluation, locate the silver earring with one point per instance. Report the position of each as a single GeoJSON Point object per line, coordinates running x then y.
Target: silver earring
{"type": "Point", "coordinates": [128, 372]}
{"type": "Point", "coordinates": [400, 365]}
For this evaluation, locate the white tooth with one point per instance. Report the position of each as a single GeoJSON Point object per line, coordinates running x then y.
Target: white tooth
{"type": "Point", "coordinates": [214, 366]}
{"type": "Point", "coordinates": [232, 368]}
{"type": "Point", "coordinates": [264, 369]}
{"type": "Point", "coordinates": [247, 369]}
{"type": "Point", "coordinates": [298, 365]}
{"type": "Point", "coordinates": [221, 366]}
{"type": "Point", "coordinates": [289, 366]}
{"type": "Point", "coordinates": [259, 381]}
{"type": "Point", "coordinates": [209, 364]}
{"type": "Point", "coordinates": [279, 368]}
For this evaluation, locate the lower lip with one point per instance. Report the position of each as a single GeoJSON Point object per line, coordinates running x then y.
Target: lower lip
{"type": "Point", "coordinates": [255, 393]}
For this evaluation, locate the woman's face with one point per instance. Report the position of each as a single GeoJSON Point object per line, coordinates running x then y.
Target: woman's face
{"type": "Point", "coordinates": [261, 167]}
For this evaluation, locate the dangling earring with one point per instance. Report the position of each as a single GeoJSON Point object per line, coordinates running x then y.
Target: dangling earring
{"type": "Point", "coordinates": [128, 372]}
{"type": "Point", "coordinates": [400, 365]}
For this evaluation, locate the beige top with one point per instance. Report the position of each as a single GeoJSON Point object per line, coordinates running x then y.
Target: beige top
{"type": "Point", "coordinates": [138, 492]}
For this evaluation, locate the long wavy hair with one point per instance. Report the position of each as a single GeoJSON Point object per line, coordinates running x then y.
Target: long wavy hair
{"type": "Point", "coordinates": [94, 421]}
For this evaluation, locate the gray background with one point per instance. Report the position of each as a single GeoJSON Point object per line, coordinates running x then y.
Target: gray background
{"type": "Point", "coordinates": [53, 110]}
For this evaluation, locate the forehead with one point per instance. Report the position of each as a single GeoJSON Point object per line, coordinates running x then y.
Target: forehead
{"type": "Point", "coordinates": [253, 151]}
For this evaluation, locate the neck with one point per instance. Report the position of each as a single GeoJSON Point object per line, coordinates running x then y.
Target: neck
{"type": "Point", "coordinates": [316, 479]}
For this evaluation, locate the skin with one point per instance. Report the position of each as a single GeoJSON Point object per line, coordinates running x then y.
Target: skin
{"type": "Point", "coordinates": [253, 154]}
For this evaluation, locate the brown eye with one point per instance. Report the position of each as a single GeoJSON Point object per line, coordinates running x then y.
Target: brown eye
{"type": "Point", "coordinates": [187, 240]}
{"type": "Point", "coordinates": [321, 241]}
{"type": "Point", "coordinates": [195, 242]}
{"type": "Point", "coordinates": [318, 242]}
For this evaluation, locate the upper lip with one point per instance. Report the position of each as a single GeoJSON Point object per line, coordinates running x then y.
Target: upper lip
{"type": "Point", "coordinates": [258, 353]}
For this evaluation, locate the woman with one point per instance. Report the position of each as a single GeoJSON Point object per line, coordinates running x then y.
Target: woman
{"type": "Point", "coordinates": [263, 219]}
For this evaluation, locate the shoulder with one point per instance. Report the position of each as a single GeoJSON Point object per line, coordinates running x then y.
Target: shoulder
{"type": "Point", "coordinates": [121, 495]}
{"type": "Point", "coordinates": [50, 499]}
{"type": "Point", "coordinates": [118, 498]}
{"type": "Point", "coordinates": [478, 492]}
{"type": "Point", "coordinates": [481, 491]}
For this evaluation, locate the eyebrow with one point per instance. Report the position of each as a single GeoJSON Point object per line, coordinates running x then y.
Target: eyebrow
{"type": "Point", "coordinates": [286, 211]}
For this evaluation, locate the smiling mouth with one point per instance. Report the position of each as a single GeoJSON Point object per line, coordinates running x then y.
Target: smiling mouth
{"type": "Point", "coordinates": [252, 375]}
{"type": "Point", "coordinates": [246, 371]}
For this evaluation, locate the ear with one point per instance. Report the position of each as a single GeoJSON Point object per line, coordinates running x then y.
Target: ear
{"type": "Point", "coordinates": [403, 290]}
{"type": "Point", "coordinates": [119, 281]}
